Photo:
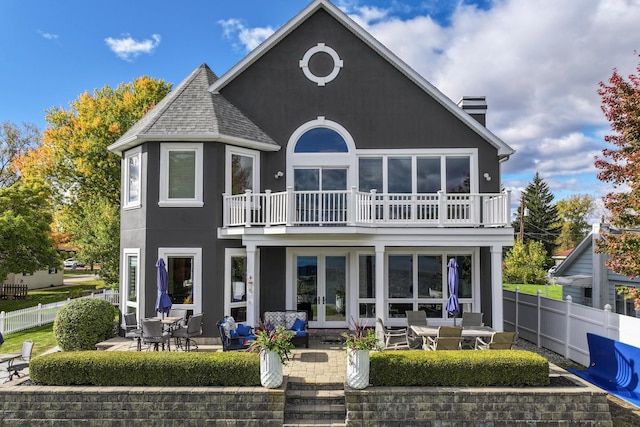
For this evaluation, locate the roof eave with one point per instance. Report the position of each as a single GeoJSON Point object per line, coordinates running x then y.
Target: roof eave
{"type": "Point", "coordinates": [126, 144]}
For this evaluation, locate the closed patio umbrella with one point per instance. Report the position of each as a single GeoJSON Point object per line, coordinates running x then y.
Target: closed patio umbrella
{"type": "Point", "coordinates": [163, 305]}
{"type": "Point", "coordinates": [453, 306]}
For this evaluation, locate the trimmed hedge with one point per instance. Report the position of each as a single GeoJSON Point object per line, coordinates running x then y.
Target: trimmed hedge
{"type": "Point", "coordinates": [456, 368]}
{"type": "Point", "coordinates": [84, 322]}
{"type": "Point", "coordinates": [119, 368]}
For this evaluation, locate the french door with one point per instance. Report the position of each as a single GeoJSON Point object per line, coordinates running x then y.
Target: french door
{"type": "Point", "coordinates": [320, 195]}
{"type": "Point", "coordinates": [321, 288]}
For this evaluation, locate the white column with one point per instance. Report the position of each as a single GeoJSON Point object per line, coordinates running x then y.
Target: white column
{"type": "Point", "coordinates": [380, 307]}
{"type": "Point", "coordinates": [252, 303]}
{"type": "Point", "coordinates": [497, 314]}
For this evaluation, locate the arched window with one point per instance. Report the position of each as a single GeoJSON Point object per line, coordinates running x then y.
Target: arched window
{"type": "Point", "coordinates": [321, 140]}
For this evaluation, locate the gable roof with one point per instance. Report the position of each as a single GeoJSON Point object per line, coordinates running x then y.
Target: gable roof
{"type": "Point", "coordinates": [504, 151]}
{"type": "Point", "coordinates": [585, 245]}
{"type": "Point", "coordinates": [191, 113]}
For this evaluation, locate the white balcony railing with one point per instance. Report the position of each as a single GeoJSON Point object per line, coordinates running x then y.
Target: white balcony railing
{"type": "Point", "coordinates": [352, 207]}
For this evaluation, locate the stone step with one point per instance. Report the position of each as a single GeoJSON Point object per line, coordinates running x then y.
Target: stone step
{"type": "Point", "coordinates": [315, 404]}
{"type": "Point", "coordinates": [322, 423]}
{"type": "Point", "coordinates": [296, 385]}
{"type": "Point", "coordinates": [315, 412]}
{"type": "Point", "coordinates": [314, 397]}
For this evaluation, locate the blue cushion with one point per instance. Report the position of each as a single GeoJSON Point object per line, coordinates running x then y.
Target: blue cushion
{"type": "Point", "coordinates": [251, 337]}
{"type": "Point", "coordinates": [243, 329]}
{"type": "Point", "coordinates": [301, 333]}
{"type": "Point", "coordinates": [233, 334]}
{"type": "Point", "coordinates": [299, 325]}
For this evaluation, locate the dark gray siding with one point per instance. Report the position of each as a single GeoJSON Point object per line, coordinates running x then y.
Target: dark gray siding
{"type": "Point", "coordinates": [272, 279]}
{"type": "Point", "coordinates": [377, 104]}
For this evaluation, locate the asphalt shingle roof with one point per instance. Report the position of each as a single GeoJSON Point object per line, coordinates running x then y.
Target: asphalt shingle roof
{"type": "Point", "coordinates": [191, 112]}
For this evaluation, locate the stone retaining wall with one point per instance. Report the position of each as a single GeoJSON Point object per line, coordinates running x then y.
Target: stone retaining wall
{"type": "Point", "coordinates": [582, 405]}
{"type": "Point", "coordinates": [36, 406]}
{"type": "Point", "coordinates": [493, 406]}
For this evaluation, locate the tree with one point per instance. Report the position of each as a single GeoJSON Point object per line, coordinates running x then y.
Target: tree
{"type": "Point", "coordinates": [84, 176]}
{"type": "Point", "coordinates": [15, 141]}
{"type": "Point", "coordinates": [526, 263]}
{"type": "Point", "coordinates": [620, 165]}
{"type": "Point", "coordinates": [540, 221]}
{"type": "Point", "coordinates": [25, 223]}
{"type": "Point", "coordinates": [573, 212]}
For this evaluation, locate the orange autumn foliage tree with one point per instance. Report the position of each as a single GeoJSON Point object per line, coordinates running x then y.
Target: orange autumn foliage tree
{"type": "Point", "coordinates": [83, 175]}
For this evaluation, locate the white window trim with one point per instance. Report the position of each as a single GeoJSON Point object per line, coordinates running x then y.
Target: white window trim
{"type": "Point", "coordinates": [136, 152]}
{"type": "Point", "coordinates": [126, 253]}
{"type": "Point", "coordinates": [230, 253]}
{"type": "Point", "coordinates": [164, 200]}
{"type": "Point", "coordinates": [231, 150]}
{"type": "Point", "coordinates": [425, 152]}
{"type": "Point", "coordinates": [196, 253]}
{"type": "Point", "coordinates": [334, 160]}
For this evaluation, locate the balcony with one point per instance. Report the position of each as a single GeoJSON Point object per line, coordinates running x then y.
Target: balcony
{"type": "Point", "coordinates": [355, 208]}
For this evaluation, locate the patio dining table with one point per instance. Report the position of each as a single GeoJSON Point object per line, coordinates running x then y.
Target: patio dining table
{"type": "Point", "coordinates": [467, 332]}
{"type": "Point", "coordinates": [169, 322]}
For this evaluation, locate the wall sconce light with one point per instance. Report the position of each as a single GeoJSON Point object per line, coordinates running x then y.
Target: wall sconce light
{"type": "Point", "coordinates": [279, 174]}
{"type": "Point", "coordinates": [487, 176]}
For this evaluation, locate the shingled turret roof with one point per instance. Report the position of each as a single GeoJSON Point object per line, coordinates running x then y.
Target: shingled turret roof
{"type": "Point", "coordinates": [191, 113]}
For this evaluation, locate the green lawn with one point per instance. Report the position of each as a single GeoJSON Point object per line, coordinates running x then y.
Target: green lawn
{"type": "Point", "coordinates": [49, 295]}
{"type": "Point", "coordinates": [41, 336]}
{"type": "Point", "coordinates": [555, 291]}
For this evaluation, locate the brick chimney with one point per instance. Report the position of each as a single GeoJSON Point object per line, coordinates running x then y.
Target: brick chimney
{"type": "Point", "coordinates": [476, 106]}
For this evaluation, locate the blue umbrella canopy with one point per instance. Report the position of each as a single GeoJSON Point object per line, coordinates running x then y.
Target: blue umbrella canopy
{"type": "Point", "coordinates": [453, 306]}
{"type": "Point", "coordinates": [163, 305]}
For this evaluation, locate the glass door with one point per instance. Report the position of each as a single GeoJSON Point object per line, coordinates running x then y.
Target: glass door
{"type": "Point", "coordinates": [321, 285]}
{"type": "Point", "coordinates": [320, 195]}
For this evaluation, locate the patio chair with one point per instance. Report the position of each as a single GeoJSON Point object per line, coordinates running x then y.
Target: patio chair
{"type": "Point", "coordinates": [394, 339]}
{"type": "Point", "coordinates": [193, 329]}
{"type": "Point", "coordinates": [415, 318]}
{"type": "Point", "coordinates": [499, 341]}
{"type": "Point", "coordinates": [174, 312]}
{"type": "Point", "coordinates": [153, 334]}
{"type": "Point", "coordinates": [472, 319]}
{"type": "Point", "coordinates": [448, 338]}
{"type": "Point", "coordinates": [230, 343]}
{"type": "Point", "coordinates": [132, 330]}
{"type": "Point", "coordinates": [19, 362]}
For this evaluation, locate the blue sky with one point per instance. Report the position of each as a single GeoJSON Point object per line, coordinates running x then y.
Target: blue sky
{"type": "Point", "coordinates": [538, 62]}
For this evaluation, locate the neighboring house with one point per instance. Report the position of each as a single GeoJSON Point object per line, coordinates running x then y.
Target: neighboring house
{"type": "Point", "coordinates": [39, 279]}
{"type": "Point", "coordinates": [319, 173]}
{"type": "Point", "coordinates": [585, 277]}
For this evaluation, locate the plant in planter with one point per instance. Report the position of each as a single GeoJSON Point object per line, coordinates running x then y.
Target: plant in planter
{"type": "Point", "coordinates": [359, 343]}
{"type": "Point", "coordinates": [273, 345]}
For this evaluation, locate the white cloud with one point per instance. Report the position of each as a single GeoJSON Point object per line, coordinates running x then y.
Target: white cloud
{"type": "Point", "coordinates": [128, 48]}
{"type": "Point", "coordinates": [249, 38]}
{"type": "Point", "coordinates": [48, 36]}
{"type": "Point", "coordinates": [538, 62]}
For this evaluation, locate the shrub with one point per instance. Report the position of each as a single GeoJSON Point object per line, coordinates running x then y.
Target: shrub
{"type": "Point", "coordinates": [456, 368]}
{"type": "Point", "coordinates": [118, 368]}
{"type": "Point", "coordinates": [84, 322]}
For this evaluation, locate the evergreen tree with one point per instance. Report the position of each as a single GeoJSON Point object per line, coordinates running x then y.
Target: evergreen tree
{"type": "Point", "coordinates": [540, 221]}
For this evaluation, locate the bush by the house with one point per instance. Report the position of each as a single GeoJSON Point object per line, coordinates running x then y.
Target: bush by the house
{"type": "Point", "coordinates": [119, 368]}
{"type": "Point", "coordinates": [455, 368]}
{"type": "Point", "coordinates": [83, 323]}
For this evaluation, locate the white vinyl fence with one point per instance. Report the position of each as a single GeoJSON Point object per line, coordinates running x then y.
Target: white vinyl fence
{"type": "Point", "coordinates": [562, 326]}
{"type": "Point", "coordinates": [19, 320]}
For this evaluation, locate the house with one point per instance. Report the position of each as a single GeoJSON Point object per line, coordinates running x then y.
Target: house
{"type": "Point", "coordinates": [588, 281]}
{"type": "Point", "coordinates": [320, 173]}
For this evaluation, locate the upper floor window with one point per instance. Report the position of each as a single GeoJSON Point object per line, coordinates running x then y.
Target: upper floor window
{"type": "Point", "coordinates": [181, 174]}
{"type": "Point", "coordinates": [242, 167]}
{"type": "Point", "coordinates": [132, 178]}
{"type": "Point", "coordinates": [321, 140]}
{"type": "Point", "coordinates": [406, 174]}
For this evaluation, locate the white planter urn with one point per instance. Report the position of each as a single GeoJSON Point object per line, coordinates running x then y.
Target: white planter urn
{"type": "Point", "coordinates": [357, 368]}
{"type": "Point", "coordinates": [270, 369]}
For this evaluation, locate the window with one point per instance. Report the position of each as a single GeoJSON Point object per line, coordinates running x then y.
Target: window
{"type": "Point", "coordinates": [243, 170]}
{"type": "Point", "coordinates": [131, 277]}
{"type": "Point", "coordinates": [132, 178]}
{"type": "Point", "coordinates": [321, 140]}
{"type": "Point", "coordinates": [407, 174]}
{"type": "Point", "coordinates": [184, 270]}
{"type": "Point", "coordinates": [367, 286]}
{"type": "Point", "coordinates": [236, 284]}
{"type": "Point", "coordinates": [418, 281]}
{"type": "Point", "coordinates": [181, 175]}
